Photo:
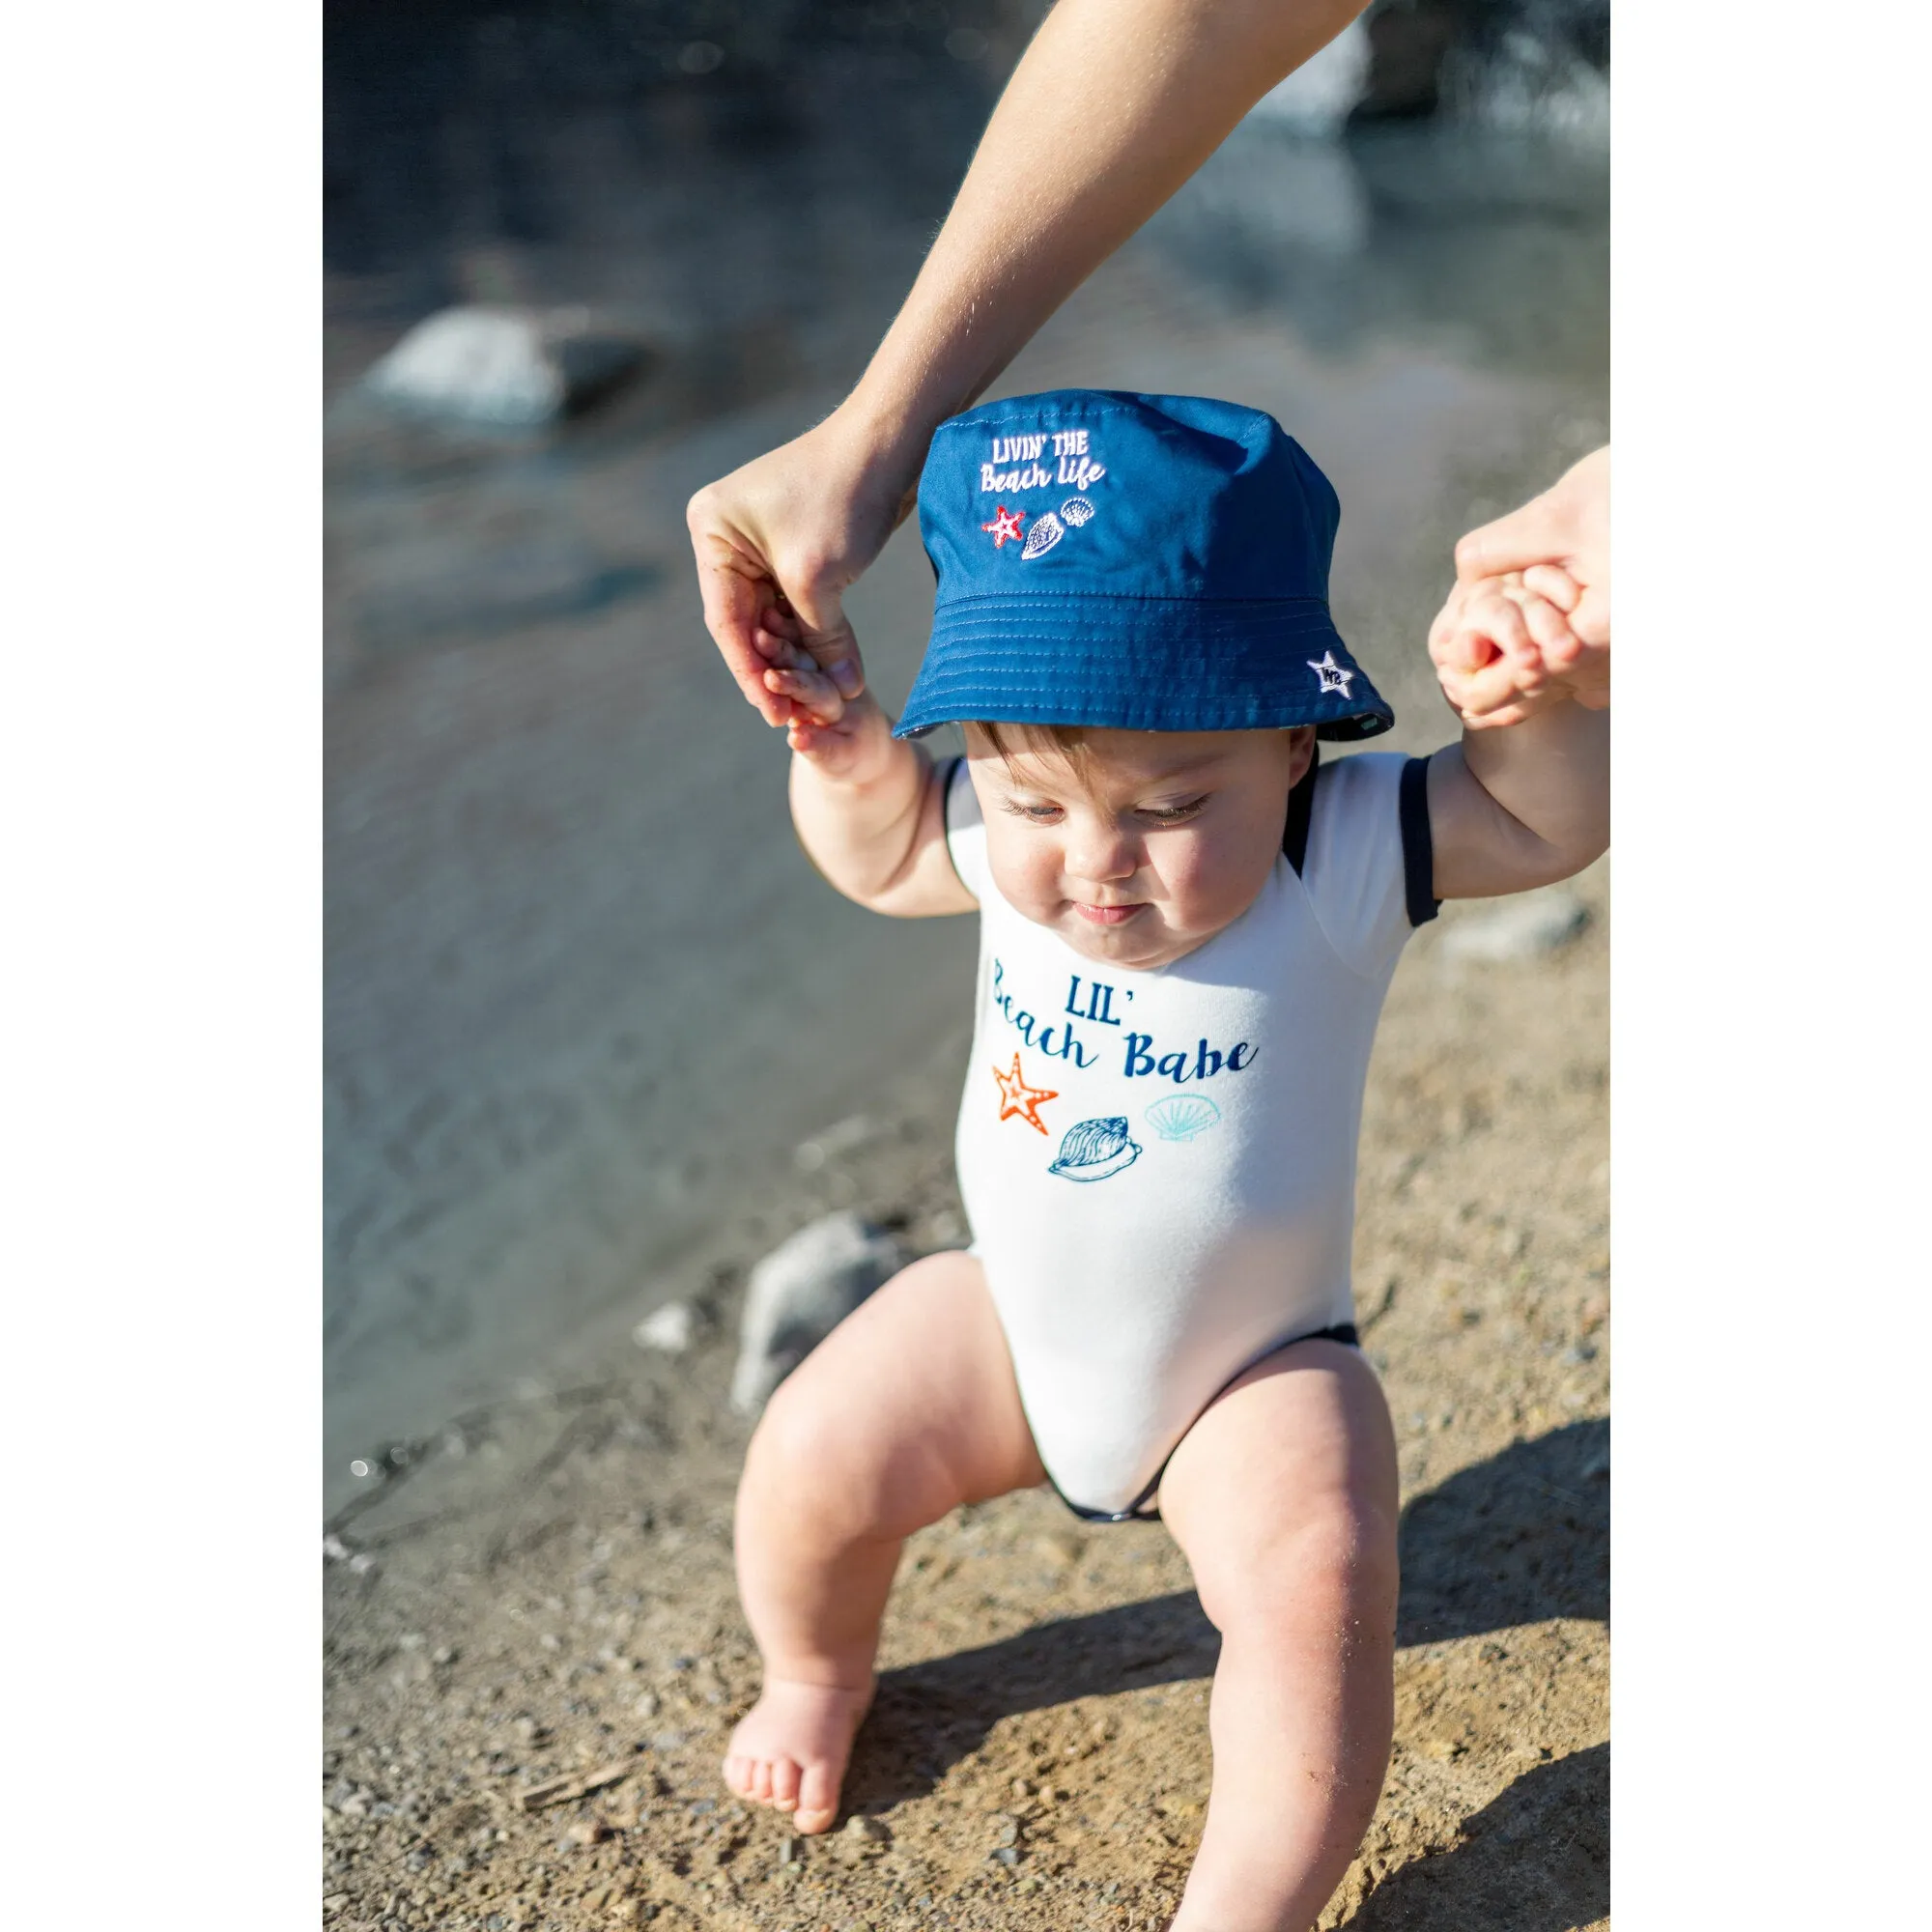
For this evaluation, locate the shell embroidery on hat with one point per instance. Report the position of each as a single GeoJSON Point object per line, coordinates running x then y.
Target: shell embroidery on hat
{"type": "Point", "coordinates": [1047, 531]}
{"type": "Point", "coordinates": [1331, 676]}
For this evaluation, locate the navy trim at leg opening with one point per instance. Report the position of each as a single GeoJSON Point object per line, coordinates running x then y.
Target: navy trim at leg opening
{"type": "Point", "coordinates": [1138, 1511]}
{"type": "Point", "coordinates": [1418, 847]}
{"type": "Point", "coordinates": [1300, 809]}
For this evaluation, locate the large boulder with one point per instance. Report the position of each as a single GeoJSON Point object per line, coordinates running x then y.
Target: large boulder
{"type": "Point", "coordinates": [506, 368]}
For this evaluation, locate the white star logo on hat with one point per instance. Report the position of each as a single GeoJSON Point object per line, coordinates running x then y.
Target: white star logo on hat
{"type": "Point", "coordinates": [1333, 677]}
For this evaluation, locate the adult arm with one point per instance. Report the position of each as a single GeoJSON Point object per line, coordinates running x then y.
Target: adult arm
{"type": "Point", "coordinates": [1113, 107]}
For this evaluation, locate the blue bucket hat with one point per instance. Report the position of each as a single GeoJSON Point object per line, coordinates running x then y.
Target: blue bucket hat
{"type": "Point", "coordinates": [1159, 563]}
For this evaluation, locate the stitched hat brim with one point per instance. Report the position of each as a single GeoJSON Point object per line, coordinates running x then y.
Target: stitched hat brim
{"type": "Point", "coordinates": [1142, 664]}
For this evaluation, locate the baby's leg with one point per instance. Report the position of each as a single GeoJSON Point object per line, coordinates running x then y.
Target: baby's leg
{"type": "Point", "coordinates": [905, 1411]}
{"type": "Point", "coordinates": [1283, 1496]}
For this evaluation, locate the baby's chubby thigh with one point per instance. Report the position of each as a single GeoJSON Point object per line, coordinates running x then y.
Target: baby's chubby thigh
{"type": "Point", "coordinates": [907, 1409]}
{"type": "Point", "coordinates": [1287, 1484]}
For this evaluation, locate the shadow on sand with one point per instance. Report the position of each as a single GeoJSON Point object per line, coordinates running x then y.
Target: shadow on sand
{"type": "Point", "coordinates": [1520, 1539]}
{"type": "Point", "coordinates": [1536, 1859]}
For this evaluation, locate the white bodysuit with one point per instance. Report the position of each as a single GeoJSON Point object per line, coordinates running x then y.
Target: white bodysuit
{"type": "Point", "coordinates": [1159, 1166]}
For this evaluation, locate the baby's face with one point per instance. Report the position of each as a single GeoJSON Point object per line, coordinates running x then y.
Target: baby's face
{"type": "Point", "coordinates": [1145, 844]}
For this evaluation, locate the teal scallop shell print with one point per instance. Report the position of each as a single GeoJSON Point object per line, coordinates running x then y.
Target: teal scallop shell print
{"type": "Point", "coordinates": [1181, 1115]}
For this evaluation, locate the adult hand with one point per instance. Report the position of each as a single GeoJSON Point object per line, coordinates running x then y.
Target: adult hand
{"type": "Point", "coordinates": [1557, 548]}
{"type": "Point", "coordinates": [793, 529]}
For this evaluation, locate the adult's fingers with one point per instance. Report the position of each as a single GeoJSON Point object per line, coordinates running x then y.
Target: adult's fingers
{"type": "Point", "coordinates": [1569, 525]}
{"type": "Point", "coordinates": [737, 586]}
{"type": "Point", "coordinates": [1537, 533]}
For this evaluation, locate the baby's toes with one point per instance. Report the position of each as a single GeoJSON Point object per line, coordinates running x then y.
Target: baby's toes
{"type": "Point", "coordinates": [738, 1775]}
{"type": "Point", "coordinates": [817, 1800]}
{"type": "Point", "coordinates": [761, 1781]}
{"type": "Point", "coordinates": [785, 1783]}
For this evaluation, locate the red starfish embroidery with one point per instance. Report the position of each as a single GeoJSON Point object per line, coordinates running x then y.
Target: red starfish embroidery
{"type": "Point", "coordinates": [1005, 523]}
{"type": "Point", "coordinates": [1018, 1100]}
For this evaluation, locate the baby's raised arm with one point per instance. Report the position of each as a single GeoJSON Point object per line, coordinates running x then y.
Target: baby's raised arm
{"type": "Point", "coordinates": [869, 808]}
{"type": "Point", "coordinates": [1522, 805]}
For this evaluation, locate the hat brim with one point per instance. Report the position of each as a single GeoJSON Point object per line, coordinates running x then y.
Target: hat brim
{"type": "Point", "coordinates": [1142, 664]}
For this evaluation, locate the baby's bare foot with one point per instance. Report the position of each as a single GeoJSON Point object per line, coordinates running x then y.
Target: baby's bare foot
{"type": "Point", "coordinates": [791, 1749]}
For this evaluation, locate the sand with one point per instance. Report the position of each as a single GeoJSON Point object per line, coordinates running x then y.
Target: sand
{"type": "Point", "coordinates": [544, 1587]}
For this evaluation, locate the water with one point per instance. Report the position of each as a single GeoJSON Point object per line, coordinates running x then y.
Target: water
{"type": "Point", "coordinates": [584, 995]}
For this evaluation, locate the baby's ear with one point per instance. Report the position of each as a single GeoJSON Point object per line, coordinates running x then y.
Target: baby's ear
{"type": "Point", "coordinates": [1300, 751]}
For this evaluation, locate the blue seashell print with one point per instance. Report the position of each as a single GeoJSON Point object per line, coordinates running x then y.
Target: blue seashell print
{"type": "Point", "coordinates": [1181, 1115]}
{"type": "Point", "coordinates": [1094, 1149]}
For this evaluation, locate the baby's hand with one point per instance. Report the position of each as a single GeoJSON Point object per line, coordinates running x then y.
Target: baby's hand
{"type": "Point", "coordinates": [844, 737]}
{"type": "Point", "coordinates": [1503, 648]}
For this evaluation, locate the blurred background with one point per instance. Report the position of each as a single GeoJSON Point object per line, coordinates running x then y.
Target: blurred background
{"type": "Point", "coordinates": [587, 1004]}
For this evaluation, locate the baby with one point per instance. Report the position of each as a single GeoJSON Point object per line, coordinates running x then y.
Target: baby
{"type": "Point", "coordinates": [1187, 927]}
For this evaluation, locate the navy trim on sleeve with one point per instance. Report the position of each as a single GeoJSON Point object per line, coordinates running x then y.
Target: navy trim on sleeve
{"type": "Point", "coordinates": [946, 817]}
{"type": "Point", "coordinates": [1301, 811]}
{"type": "Point", "coordinates": [1418, 848]}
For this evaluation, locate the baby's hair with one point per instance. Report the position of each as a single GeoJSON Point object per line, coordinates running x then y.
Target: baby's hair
{"type": "Point", "coordinates": [1008, 739]}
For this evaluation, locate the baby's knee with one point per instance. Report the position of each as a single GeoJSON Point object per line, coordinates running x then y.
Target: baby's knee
{"type": "Point", "coordinates": [827, 1456]}
{"type": "Point", "coordinates": [1334, 1560]}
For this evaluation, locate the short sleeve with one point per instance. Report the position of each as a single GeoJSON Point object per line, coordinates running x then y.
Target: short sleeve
{"type": "Point", "coordinates": [1368, 866]}
{"type": "Point", "coordinates": [965, 829]}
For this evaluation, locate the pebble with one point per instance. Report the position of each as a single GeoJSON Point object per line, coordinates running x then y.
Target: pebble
{"type": "Point", "coordinates": [789, 1849]}
{"type": "Point", "coordinates": [647, 1705]}
{"type": "Point", "coordinates": [588, 1831]}
{"type": "Point", "coordinates": [1525, 926]}
{"type": "Point", "coordinates": [1007, 1854]}
{"type": "Point", "coordinates": [870, 1829]}
{"type": "Point", "coordinates": [799, 1293]}
{"type": "Point", "coordinates": [669, 1331]}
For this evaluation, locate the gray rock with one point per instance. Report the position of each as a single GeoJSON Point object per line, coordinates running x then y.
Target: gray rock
{"type": "Point", "coordinates": [1522, 928]}
{"type": "Point", "coordinates": [505, 368]}
{"type": "Point", "coordinates": [799, 1293]}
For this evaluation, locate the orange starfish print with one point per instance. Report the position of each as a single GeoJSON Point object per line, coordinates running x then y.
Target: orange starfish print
{"type": "Point", "coordinates": [1005, 523]}
{"type": "Point", "coordinates": [1017, 1098]}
